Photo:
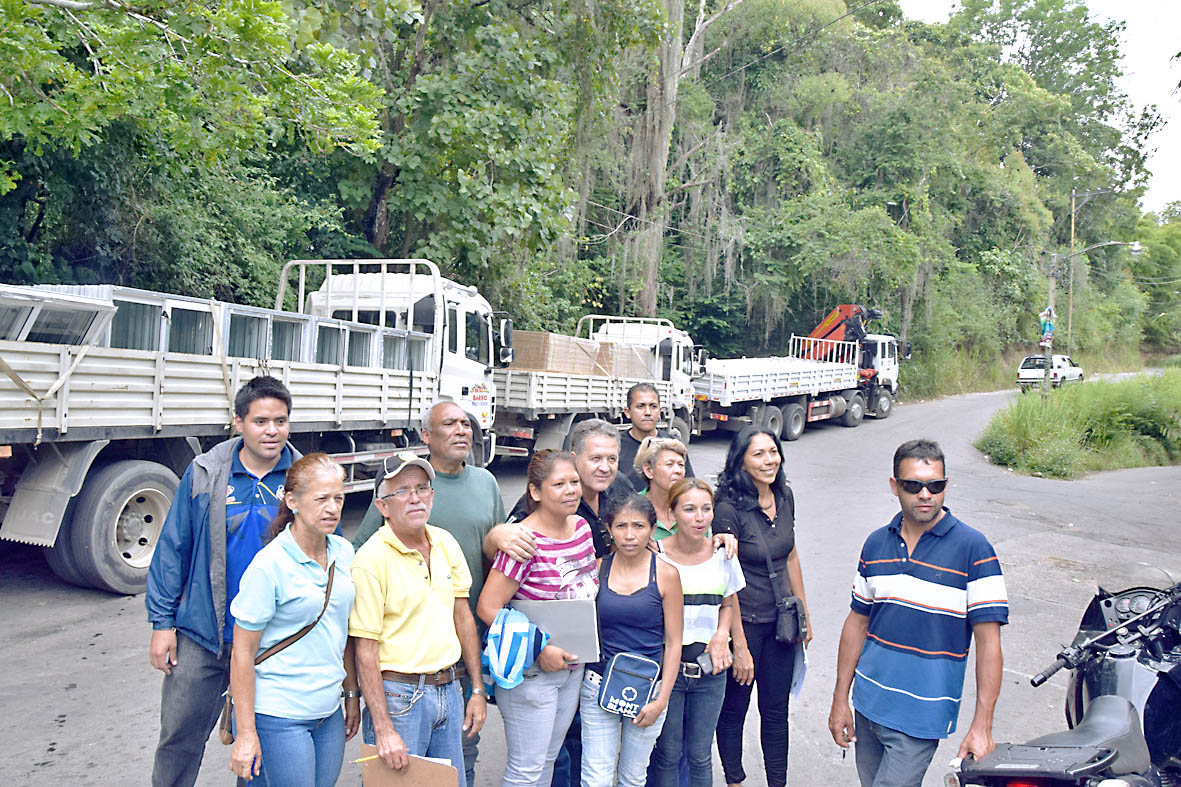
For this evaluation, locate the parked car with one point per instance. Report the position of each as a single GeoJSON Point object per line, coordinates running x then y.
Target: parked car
{"type": "Point", "coordinates": [1033, 369]}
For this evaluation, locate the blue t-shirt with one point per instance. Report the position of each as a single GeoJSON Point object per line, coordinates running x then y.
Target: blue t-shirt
{"type": "Point", "coordinates": [251, 504]}
{"type": "Point", "coordinates": [921, 609]}
{"type": "Point", "coordinates": [281, 592]}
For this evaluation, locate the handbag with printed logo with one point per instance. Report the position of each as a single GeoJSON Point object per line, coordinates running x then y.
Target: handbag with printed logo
{"type": "Point", "coordinates": [629, 683]}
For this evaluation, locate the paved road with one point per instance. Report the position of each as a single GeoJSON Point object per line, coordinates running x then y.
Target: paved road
{"type": "Point", "coordinates": [79, 704]}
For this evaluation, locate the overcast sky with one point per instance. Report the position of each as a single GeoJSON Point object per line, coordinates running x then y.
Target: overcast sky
{"type": "Point", "coordinates": [1151, 37]}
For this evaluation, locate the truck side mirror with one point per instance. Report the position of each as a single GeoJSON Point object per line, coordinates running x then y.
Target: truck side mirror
{"type": "Point", "coordinates": [909, 349]}
{"type": "Point", "coordinates": [505, 353]}
{"type": "Point", "coordinates": [699, 359]}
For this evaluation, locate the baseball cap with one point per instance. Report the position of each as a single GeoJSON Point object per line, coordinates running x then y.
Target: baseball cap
{"type": "Point", "coordinates": [403, 459]}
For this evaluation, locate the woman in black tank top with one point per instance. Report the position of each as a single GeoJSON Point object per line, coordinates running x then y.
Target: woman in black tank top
{"type": "Point", "coordinates": [640, 612]}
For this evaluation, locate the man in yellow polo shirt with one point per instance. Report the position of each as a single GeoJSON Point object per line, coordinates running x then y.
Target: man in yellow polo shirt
{"type": "Point", "coordinates": [412, 623]}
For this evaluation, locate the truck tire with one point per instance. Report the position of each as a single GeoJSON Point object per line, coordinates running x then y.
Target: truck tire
{"type": "Point", "coordinates": [117, 521]}
{"type": "Point", "coordinates": [884, 405]}
{"type": "Point", "coordinates": [60, 556]}
{"type": "Point", "coordinates": [773, 419]}
{"type": "Point", "coordinates": [856, 411]}
{"type": "Point", "coordinates": [680, 428]}
{"type": "Point", "coordinates": [793, 422]}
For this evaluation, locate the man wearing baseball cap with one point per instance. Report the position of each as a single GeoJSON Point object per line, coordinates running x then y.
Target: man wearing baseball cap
{"type": "Point", "coordinates": [412, 623]}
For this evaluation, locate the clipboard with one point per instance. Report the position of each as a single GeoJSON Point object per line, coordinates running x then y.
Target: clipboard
{"type": "Point", "coordinates": [420, 772]}
{"type": "Point", "coordinates": [572, 624]}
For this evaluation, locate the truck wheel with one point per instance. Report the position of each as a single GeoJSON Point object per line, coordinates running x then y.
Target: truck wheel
{"type": "Point", "coordinates": [884, 405]}
{"type": "Point", "coordinates": [793, 422]}
{"type": "Point", "coordinates": [856, 411]}
{"type": "Point", "coordinates": [117, 521]}
{"type": "Point", "coordinates": [680, 428]}
{"type": "Point", "coordinates": [60, 556]}
{"type": "Point", "coordinates": [773, 419]}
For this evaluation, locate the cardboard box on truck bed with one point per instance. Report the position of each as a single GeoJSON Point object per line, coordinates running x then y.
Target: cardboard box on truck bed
{"type": "Point", "coordinates": [553, 352]}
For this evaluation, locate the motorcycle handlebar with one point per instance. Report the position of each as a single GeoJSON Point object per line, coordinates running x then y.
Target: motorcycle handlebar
{"type": "Point", "coordinates": [1045, 674]}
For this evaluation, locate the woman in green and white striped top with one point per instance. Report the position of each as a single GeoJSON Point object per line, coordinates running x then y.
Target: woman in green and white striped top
{"type": "Point", "coordinates": [710, 582]}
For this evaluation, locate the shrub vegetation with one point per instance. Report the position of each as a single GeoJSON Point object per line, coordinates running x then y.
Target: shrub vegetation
{"type": "Point", "coordinates": [1084, 428]}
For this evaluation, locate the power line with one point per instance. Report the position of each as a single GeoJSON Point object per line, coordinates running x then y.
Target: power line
{"type": "Point", "coordinates": [802, 39]}
{"type": "Point", "coordinates": [646, 221]}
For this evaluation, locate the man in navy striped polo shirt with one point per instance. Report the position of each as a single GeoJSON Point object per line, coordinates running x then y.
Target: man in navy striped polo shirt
{"type": "Point", "coordinates": [926, 585]}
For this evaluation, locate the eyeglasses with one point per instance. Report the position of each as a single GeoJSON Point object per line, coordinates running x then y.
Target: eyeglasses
{"type": "Point", "coordinates": [912, 487]}
{"type": "Point", "coordinates": [422, 490]}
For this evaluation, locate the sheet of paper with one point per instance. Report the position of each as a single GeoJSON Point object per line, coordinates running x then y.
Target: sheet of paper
{"type": "Point", "coordinates": [800, 670]}
{"type": "Point", "coordinates": [420, 772]}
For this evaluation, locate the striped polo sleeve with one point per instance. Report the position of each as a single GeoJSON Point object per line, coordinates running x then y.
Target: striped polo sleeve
{"type": "Point", "coordinates": [987, 599]}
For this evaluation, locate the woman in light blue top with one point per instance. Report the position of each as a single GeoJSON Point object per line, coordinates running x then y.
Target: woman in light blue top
{"type": "Point", "coordinates": [289, 729]}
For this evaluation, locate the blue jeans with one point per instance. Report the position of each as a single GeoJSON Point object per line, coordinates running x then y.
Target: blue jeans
{"type": "Point", "coordinates": [190, 702]}
{"type": "Point", "coordinates": [688, 731]}
{"type": "Point", "coordinates": [889, 758]}
{"type": "Point", "coordinates": [429, 719]}
{"type": "Point", "coordinates": [298, 753]}
{"type": "Point", "coordinates": [612, 745]}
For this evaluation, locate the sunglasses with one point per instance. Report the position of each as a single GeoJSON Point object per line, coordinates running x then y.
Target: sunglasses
{"type": "Point", "coordinates": [912, 487]}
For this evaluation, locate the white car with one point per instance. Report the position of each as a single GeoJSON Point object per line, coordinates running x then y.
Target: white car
{"type": "Point", "coordinates": [1033, 369]}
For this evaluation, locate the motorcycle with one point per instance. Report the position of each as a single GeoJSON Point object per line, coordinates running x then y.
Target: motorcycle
{"type": "Point", "coordinates": [1123, 703]}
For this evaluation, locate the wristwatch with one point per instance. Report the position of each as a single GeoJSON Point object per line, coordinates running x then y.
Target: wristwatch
{"type": "Point", "coordinates": [351, 694]}
{"type": "Point", "coordinates": [478, 691]}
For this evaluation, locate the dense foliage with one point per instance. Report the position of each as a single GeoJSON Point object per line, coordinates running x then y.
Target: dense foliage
{"type": "Point", "coordinates": [1084, 428]}
{"type": "Point", "coordinates": [737, 165]}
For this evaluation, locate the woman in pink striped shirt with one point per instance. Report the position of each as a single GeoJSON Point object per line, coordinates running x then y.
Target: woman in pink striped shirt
{"type": "Point", "coordinates": [562, 568]}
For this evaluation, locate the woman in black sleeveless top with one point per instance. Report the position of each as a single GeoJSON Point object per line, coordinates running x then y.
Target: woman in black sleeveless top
{"type": "Point", "coordinates": [640, 612]}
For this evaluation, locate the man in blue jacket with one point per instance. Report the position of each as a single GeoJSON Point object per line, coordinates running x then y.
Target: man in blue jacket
{"type": "Point", "coordinates": [204, 548]}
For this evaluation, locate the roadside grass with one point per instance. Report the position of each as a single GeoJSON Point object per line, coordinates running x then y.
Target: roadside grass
{"type": "Point", "coordinates": [1172, 362]}
{"type": "Point", "coordinates": [1087, 428]}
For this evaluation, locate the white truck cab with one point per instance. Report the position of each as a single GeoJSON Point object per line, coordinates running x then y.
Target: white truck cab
{"type": "Point", "coordinates": [879, 352]}
{"type": "Point", "coordinates": [458, 318]}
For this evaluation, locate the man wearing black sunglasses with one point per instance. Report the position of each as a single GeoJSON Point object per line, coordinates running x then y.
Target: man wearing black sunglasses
{"type": "Point", "coordinates": [926, 585]}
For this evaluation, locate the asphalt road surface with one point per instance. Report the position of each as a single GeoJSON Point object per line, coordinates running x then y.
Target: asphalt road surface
{"type": "Point", "coordinates": [79, 703]}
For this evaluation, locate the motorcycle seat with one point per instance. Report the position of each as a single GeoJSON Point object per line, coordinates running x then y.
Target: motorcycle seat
{"type": "Point", "coordinates": [1110, 722]}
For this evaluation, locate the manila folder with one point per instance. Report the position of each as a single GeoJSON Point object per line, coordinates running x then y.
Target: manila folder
{"type": "Point", "coordinates": [419, 773]}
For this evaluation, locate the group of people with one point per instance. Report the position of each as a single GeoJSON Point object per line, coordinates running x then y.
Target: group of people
{"type": "Point", "coordinates": [262, 597]}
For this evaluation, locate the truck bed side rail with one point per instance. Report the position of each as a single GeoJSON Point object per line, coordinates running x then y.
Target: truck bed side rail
{"type": "Point", "coordinates": [829, 350]}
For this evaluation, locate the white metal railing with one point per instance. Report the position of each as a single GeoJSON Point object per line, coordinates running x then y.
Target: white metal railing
{"type": "Point", "coordinates": [626, 330]}
{"type": "Point", "coordinates": [829, 350]}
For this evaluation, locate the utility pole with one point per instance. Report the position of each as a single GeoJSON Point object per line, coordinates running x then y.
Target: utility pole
{"type": "Point", "coordinates": [1070, 297]}
{"type": "Point", "coordinates": [1048, 337]}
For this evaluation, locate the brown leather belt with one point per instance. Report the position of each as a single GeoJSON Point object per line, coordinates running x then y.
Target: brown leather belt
{"type": "Point", "coordinates": [440, 678]}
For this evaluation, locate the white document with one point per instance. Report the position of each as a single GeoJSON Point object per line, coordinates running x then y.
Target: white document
{"type": "Point", "coordinates": [799, 670]}
{"type": "Point", "coordinates": [572, 624]}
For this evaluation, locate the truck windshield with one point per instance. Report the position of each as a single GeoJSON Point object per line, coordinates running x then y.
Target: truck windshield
{"type": "Point", "coordinates": [1034, 362]}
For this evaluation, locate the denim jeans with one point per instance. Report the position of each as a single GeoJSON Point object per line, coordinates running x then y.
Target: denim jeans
{"type": "Point", "coordinates": [774, 664]}
{"type": "Point", "coordinates": [889, 758]}
{"type": "Point", "coordinates": [688, 731]}
{"type": "Point", "coordinates": [536, 715]}
{"type": "Point", "coordinates": [568, 765]}
{"type": "Point", "coordinates": [299, 753]}
{"type": "Point", "coordinates": [612, 745]}
{"type": "Point", "coordinates": [429, 719]}
{"type": "Point", "coordinates": [471, 746]}
{"type": "Point", "coordinates": [190, 703]}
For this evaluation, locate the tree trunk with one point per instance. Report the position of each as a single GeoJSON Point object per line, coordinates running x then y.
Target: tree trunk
{"type": "Point", "coordinates": [657, 137]}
